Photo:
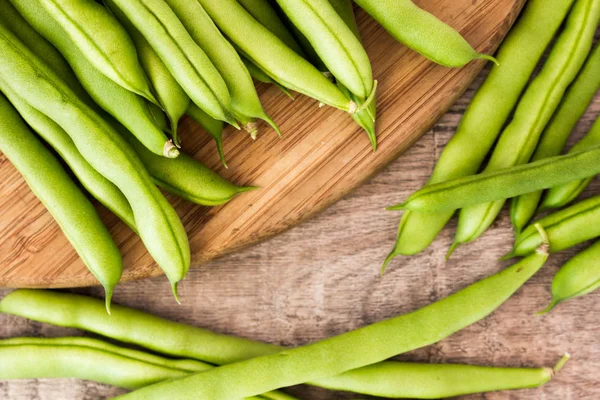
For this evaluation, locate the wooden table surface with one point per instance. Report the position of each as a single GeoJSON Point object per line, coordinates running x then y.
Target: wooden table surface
{"type": "Point", "coordinates": [321, 278]}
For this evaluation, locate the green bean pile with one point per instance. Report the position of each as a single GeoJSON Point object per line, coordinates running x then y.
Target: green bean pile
{"type": "Point", "coordinates": [523, 148]}
{"type": "Point", "coordinates": [107, 83]}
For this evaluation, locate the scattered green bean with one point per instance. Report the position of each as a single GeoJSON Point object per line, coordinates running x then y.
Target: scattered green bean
{"type": "Point", "coordinates": [73, 212]}
{"type": "Point", "coordinates": [504, 183]}
{"type": "Point", "coordinates": [158, 224]}
{"type": "Point", "coordinates": [422, 32]}
{"type": "Point", "coordinates": [212, 126]}
{"type": "Point", "coordinates": [487, 113]}
{"type": "Point", "coordinates": [578, 277]}
{"type": "Point", "coordinates": [331, 357]}
{"type": "Point", "coordinates": [565, 228]}
{"type": "Point", "coordinates": [186, 61]}
{"type": "Point", "coordinates": [553, 140]}
{"type": "Point", "coordinates": [519, 139]}
{"type": "Point", "coordinates": [560, 196]}
{"type": "Point", "coordinates": [280, 62]}
{"type": "Point", "coordinates": [129, 109]}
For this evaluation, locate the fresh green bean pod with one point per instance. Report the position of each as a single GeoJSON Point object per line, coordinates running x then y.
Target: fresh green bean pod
{"type": "Point", "coordinates": [134, 112]}
{"type": "Point", "coordinates": [335, 43]}
{"type": "Point", "coordinates": [75, 215]}
{"type": "Point", "coordinates": [574, 104]}
{"type": "Point", "coordinates": [578, 277]}
{"type": "Point", "coordinates": [97, 185]}
{"type": "Point", "coordinates": [561, 195]}
{"type": "Point", "coordinates": [102, 40]}
{"type": "Point", "coordinates": [280, 62]}
{"type": "Point", "coordinates": [263, 12]}
{"type": "Point", "coordinates": [245, 103]}
{"type": "Point", "coordinates": [345, 10]}
{"type": "Point", "coordinates": [504, 183]}
{"type": "Point", "coordinates": [158, 224]}
{"type": "Point", "coordinates": [519, 140]}
{"type": "Point", "coordinates": [212, 126]}
{"type": "Point", "coordinates": [170, 95]}
{"type": "Point", "coordinates": [331, 356]}
{"type": "Point", "coordinates": [422, 32]}
{"type": "Point", "coordinates": [187, 178]}
{"type": "Point", "coordinates": [186, 61]}
{"type": "Point", "coordinates": [483, 120]}
{"type": "Point", "coordinates": [565, 228]}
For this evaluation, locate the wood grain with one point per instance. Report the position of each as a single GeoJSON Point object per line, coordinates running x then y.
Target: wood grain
{"type": "Point", "coordinates": [322, 157]}
{"type": "Point", "coordinates": [321, 278]}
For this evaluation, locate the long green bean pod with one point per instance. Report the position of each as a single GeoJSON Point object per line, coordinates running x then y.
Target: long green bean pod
{"type": "Point", "coordinates": [102, 40]}
{"type": "Point", "coordinates": [422, 32]}
{"type": "Point", "coordinates": [92, 359]}
{"type": "Point", "coordinates": [553, 140]}
{"type": "Point", "coordinates": [483, 120]}
{"type": "Point", "coordinates": [280, 62]}
{"type": "Point", "coordinates": [331, 356]}
{"type": "Point", "coordinates": [131, 110]}
{"type": "Point", "coordinates": [565, 228]}
{"type": "Point", "coordinates": [75, 215]}
{"type": "Point", "coordinates": [562, 195]}
{"type": "Point", "coordinates": [519, 139]}
{"type": "Point", "coordinates": [158, 224]}
{"type": "Point", "coordinates": [578, 277]}
{"type": "Point", "coordinates": [186, 61]}
{"type": "Point", "coordinates": [212, 126]}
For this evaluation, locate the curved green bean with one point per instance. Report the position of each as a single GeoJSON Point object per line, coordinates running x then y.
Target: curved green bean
{"type": "Point", "coordinates": [519, 140]}
{"type": "Point", "coordinates": [212, 126]}
{"type": "Point", "coordinates": [485, 117]}
{"type": "Point", "coordinates": [245, 103]}
{"type": "Point", "coordinates": [158, 224]}
{"type": "Point", "coordinates": [504, 183]}
{"type": "Point", "coordinates": [129, 109]}
{"type": "Point", "coordinates": [186, 61]}
{"type": "Point", "coordinates": [578, 277]}
{"type": "Point", "coordinates": [335, 43]}
{"type": "Point", "coordinates": [561, 195]}
{"type": "Point", "coordinates": [75, 215]}
{"type": "Point", "coordinates": [553, 140]}
{"type": "Point", "coordinates": [97, 185]}
{"type": "Point", "coordinates": [331, 357]}
{"type": "Point", "coordinates": [422, 32]}
{"type": "Point", "coordinates": [102, 40]}
{"type": "Point", "coordinates": [280, 62]}
{"type": "Point", "coordinates": [565, 228]}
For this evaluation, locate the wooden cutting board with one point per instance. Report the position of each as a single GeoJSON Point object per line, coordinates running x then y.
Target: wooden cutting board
{"type": "Point", "coordinates": [322, 156]}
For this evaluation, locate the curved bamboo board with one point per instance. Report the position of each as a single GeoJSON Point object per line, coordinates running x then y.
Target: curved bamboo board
{"type": "Point", "coordinates": [321, 158]}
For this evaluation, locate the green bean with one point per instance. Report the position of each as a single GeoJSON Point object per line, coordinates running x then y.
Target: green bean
{"type": "Point", "coordinates": [169, 93]}
{"type": "Point", "coordinates": [186, 61]}
{"type": "Point", "coordinates": [332, 356]}
{"type": "Point", "coordinates": [187, 178]}
{"type": "Point", "coordinates": [561, 195]}
{"type": "Point", "coordinates": [481, 124]}
{"type": "Point", "coordinates": [345, 10]}
{"type": "Point", "coordinates": [565, 228]}
{"type": "Point", "coordinates": [280, 62]}
{"type": "Point", "coordinates": [264, 13]}
{"type": "Point", "coordinates": [75, 215]}
{"type": "Point", "coordinates": [261, 76]}
{"type": "Point", "coordinates": [102, 40]}
{"type": "Point", "coordinates": [578, 277]}
{"type": "Point", "coordinates": [212, 126]}
{"type": "Point", "coordinates": [553, 140]}
{"type": "Point", "coordinates": [335, 43]}
{"type": "Point", "coordinates": [98, 186]}
{"type": "Point", "coordinates": [504, 183]}
{"type": "Point", "coordinates": [519, 139]}
{"type": "Point", "coordinates": [422, 32]}
{"type": "Point", "coordinates": [245, 103]}
{"type": "Point", "coordinates": [157, 222]}
{"type": "Point", "coordinates": [129, 109]}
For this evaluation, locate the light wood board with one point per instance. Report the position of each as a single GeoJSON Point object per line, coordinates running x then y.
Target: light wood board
{"type": "Point", "coordinates": [322, 157]}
